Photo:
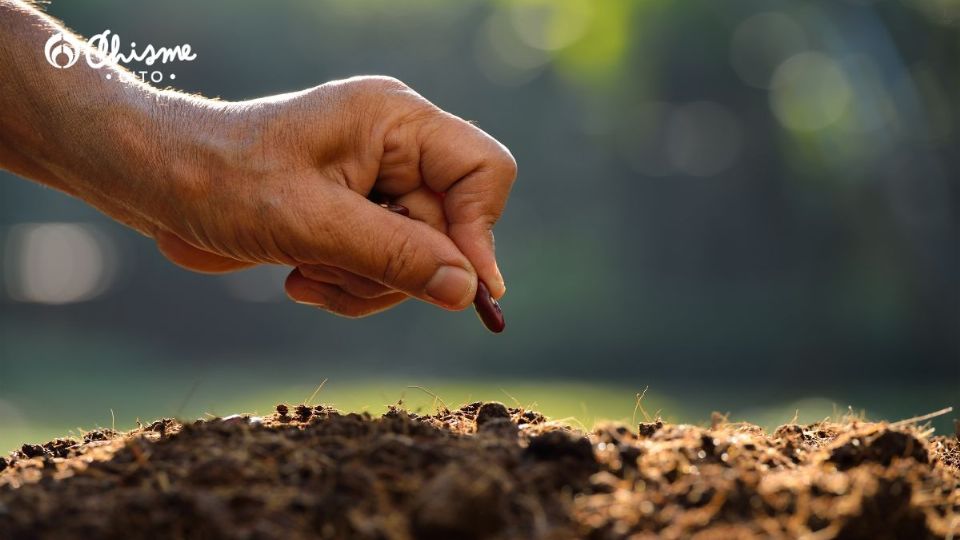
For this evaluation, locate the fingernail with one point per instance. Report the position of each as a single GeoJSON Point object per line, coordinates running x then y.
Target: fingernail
{"type": "Point", "coordinates": [450, 285]}
{"type": "Point", "coordinates": [498, 287]}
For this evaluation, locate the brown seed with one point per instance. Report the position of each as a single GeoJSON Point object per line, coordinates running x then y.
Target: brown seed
{"type": "Point", "coordinates": [396, 208]}
{"type": "Point", "coordinates": [488, 309]}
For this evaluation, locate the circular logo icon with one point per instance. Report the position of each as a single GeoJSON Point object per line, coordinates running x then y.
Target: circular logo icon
{"type": "Point", "coordinates": [61, 51]}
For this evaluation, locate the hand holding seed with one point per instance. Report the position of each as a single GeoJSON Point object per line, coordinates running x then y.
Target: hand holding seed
{"type": "Point", "coordinates": [488, 309]}
{"type": "Point", "coordinates": [284, 179]}
{"type": "Point", "coordinates": [298, 195]}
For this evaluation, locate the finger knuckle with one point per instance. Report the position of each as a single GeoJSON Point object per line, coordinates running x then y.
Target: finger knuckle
{"type": "Point", "coordinates": [507, 165]}
{"type": "Point", "coordinates": [401, 254]}
{"type": "Point", "coordinates": [363, 288]}
{"type": "Point", "coordinates": [376, 84]}
{"type": "Point", "coordinates": [474, 207]}
{"type": "Point", "coordinates": [385, 81]}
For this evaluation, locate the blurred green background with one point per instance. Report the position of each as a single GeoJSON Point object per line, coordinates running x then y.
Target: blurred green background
{"type": "Point", "coordinates": [748, 206]}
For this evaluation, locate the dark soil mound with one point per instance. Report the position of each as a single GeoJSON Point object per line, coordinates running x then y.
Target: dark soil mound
{"type": "Point", "coordinates": [483, 471]}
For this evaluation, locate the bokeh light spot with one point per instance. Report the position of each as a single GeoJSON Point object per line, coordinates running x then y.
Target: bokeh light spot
{"type": "Point", "coordinates": [503, 57]}
{"type": "Point", "coordinates": [57, 263]}
{"type": "Point", "coordinates": [809, 91]}
{"type": "Point", "coordinates": [551, 25]}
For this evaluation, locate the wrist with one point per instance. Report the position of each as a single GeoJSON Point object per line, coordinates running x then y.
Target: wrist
{"type": "Point", "coordinates": [188, 145]}
{"type": "Point", "coordinates": [136, 154]}
{"type": "Point", "coordinates": [170, 149]}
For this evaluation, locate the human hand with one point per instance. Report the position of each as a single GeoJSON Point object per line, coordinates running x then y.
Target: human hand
{"type": "Point", "coordinates": [285, 180]}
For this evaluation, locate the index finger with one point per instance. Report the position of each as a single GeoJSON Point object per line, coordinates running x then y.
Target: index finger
{"type": "Point", "coordinates": [476, 174]}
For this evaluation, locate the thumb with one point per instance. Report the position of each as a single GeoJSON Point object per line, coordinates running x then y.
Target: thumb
{"type": "Point", "coordinates": [403, 254]}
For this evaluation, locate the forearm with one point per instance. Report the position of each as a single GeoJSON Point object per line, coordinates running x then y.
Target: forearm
{"type": "Point", "coordinates": [99, 134]}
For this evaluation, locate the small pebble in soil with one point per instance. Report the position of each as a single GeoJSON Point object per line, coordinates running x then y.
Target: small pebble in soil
{"type": "Point", "coordinates": [32, 450]}
{"type": "Point", "coordinates": [491, 411]}
{"type": "Point", "coordinates": [99, 435]}
{"type": "Point", "coordinates": [646, 429]}
{"type": "Point", "coordinates": [303, 412]}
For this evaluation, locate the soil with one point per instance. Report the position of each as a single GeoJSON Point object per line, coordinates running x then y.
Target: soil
{"type": "Point", "coordinates": [482, 471]}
